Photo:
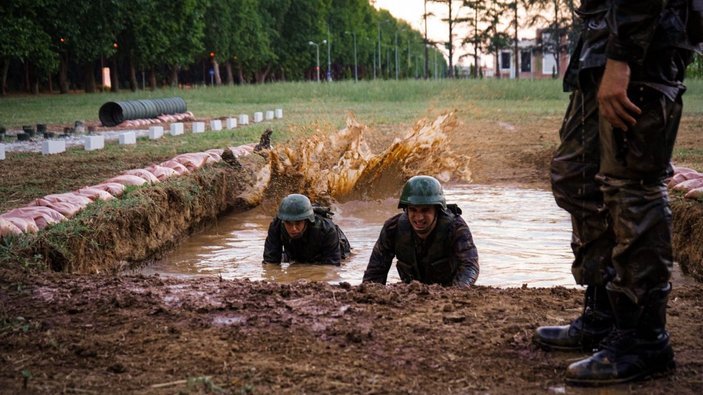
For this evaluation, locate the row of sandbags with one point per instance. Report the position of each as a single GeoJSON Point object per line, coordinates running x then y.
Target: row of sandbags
{"type": "Point", "coordinates": [55, 208]}
{"type": "Point", "coordinates": [185, 116]}
{"type": "Point", "coordinates": [687, 181]}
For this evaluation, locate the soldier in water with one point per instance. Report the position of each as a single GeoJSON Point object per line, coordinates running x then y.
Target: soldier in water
{"type": "Point", "coordinates": [430, 240]}
{"type": "Point", "coordinates": [304, 234]}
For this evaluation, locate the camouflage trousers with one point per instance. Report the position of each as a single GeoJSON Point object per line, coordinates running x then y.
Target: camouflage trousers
{"type": "Point", "coordinates": [612, 182]}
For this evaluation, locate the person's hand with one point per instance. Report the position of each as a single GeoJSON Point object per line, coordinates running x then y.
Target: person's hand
{"type": "Point", "coordinates": [613, 103]}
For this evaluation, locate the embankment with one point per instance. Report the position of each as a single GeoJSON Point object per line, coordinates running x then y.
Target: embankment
{"type": "Point", "coordinates": [142, 224]}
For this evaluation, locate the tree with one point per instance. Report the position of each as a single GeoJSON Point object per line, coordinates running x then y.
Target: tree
{"type": "Point", "coordinates": [562, 25]}
{"type": "Point", "coordinates": [22, 38]}
{"type": "Point", "coordinates": [452, 20]}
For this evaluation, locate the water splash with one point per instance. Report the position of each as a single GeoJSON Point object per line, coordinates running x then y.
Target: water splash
{"type": "Point", "coordinates": [342, 167]}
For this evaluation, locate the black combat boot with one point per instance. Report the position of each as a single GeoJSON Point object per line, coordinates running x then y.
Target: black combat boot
{"type": "Point", "coordinates": [638, 346]}
{"type": "Point", "coordinates": [585, 332]}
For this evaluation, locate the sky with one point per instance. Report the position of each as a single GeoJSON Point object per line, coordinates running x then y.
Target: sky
{"type": "Point", "coordinates": [411, 11]}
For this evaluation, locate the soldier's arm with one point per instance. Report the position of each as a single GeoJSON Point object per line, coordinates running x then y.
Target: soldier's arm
{"type": "Point", "coordinates": [465, 253]}
{"type": "Point", "coordinates": [383, 254]}
{"type": "Point", "coordinates": [273, 249]}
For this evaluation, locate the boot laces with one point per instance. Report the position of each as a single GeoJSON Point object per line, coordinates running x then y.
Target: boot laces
{"type": "Point", "coordinates": [619, 340]}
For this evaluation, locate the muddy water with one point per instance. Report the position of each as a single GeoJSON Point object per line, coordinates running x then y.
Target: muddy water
{"type": "Point", "coordinates": [521, 235]}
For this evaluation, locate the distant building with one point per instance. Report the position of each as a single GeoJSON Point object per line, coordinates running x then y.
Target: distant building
{"type": "Point", "coordinates": [536, 58]}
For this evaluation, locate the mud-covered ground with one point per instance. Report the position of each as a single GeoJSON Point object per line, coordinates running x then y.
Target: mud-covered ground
{"type": "Point", "coordinates": [119, 333]}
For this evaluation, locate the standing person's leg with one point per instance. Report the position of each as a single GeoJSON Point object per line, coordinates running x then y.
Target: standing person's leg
{"type": "Point", "coordinates": [634, 167]}
{"type": "Point", "coordinates": [573, 171]}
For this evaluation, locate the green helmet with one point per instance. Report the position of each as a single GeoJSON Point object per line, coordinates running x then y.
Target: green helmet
{"type": "Point", "coordinates": [422, 190]}
{"type": "Point", "coordinates": [296, 207]}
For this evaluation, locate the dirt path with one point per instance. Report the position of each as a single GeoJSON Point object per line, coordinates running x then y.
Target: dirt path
{"type": "Point", "coordinates": [62, 333]}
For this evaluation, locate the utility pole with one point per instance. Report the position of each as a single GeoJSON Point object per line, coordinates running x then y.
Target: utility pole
{"type": "Point", "coordinates": [427, 58]}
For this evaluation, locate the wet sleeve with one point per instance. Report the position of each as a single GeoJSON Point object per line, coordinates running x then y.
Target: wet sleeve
{"type": "Point", "coordinates": [465, 253]}
{"type": "Point", "coordinates": [330, 252]}
{"type": "Point", "coordinates": [273, 250]}
{"type": "Point", "coordinates": [382, 254]}
{"type": "Point", "coordinates": [632, 24]}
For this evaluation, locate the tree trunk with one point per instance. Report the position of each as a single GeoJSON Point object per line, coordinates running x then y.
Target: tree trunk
{"type": "Point", "coordinates": [216, 69]}
{"type": "Point", "coordinates": [89, 77]}
{"type": "Point", "coordinates": [515, 46]}
{"type": "Point", "coordinates": [497, 65]}
{"type": "Point", "coordinates": [230, 74]}
{"type": "Point", "coordinates": [450, 43]}
{"type": "Point", "coordinates": [3, 81]}
{"type": "Point", "coordinates": [263, 74]}
{"type": "Point", "coordinates": [152, 79]}
{"type": "Point", "coordinates": [173, 79]}
{"type": "Point", "coordinates": [114, 76]}
{"type": "Point", "coordinates": [133, 85]}
{"type": "Point", "coordinates": [241, 75]}
{"type": "Point", "coordinates": [63, 74]}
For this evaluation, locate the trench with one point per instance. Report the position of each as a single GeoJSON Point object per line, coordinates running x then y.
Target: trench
{"type": "Point", "coordinates": [521, 235]}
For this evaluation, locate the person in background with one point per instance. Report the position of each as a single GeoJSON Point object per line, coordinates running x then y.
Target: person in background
{"type": "Point", "coordinates": [303, 234]}
{"type": "Point", "coordinates": [626, 78]}
{"type": "Point", "coordinates": [432, 243]}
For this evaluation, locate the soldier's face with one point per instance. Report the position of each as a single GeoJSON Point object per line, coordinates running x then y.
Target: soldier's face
{"type": "Point", "coordinates": [422, 219]}
{"type": "Point", "coordinates": [295, 229]}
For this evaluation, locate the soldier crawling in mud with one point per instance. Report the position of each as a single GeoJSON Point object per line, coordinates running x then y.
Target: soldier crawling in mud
{"type": "Point", "coordinates": [304, 234]}
{"type": "Point", "coordinates": [431, 241]}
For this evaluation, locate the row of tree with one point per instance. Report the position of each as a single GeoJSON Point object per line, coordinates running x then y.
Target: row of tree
{"type": "Point", "coordinates": [43, 42]}
{"type": "Point", "coordinates": [64, 44]}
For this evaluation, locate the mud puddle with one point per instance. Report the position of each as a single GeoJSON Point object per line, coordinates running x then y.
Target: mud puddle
{"type": "Point", "coordinates": [521, 235]}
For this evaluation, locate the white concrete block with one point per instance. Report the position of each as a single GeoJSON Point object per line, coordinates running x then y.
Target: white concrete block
{"type": "Point", "coordinates": [231, 123]}
{"type": "Point", "coordinates": [128, 138]}
{"type": "Point", "coordinates": [91, 143]}
{"type": "Point", "coordinates": [216, 124]}
{"type": "Point", "coordinates": [243, 119]}
{"type": "Point", "coordinates": [176, 129]}
{"type": "Point", "coordinates": [269, 115]}
{"type": "Point", "coordinates": [258, 117]}
{"type": "Point", "coordinates": [278, 113]}
{"type": "Point", "coordinates": [198, 127]}
{"type": "Point", "coordinates": [156, 132]}
{"type": "Point", "coordinates": [50, 147]}
{"type": "Point", "coordinates": [2, 151]}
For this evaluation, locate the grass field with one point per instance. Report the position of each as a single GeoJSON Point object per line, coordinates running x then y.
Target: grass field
{"type": "Point", "coordinates": [375, 102]}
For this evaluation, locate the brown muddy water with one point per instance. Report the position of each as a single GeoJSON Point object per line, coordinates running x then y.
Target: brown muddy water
{"type": "Point", "coordinates": [521, 235]}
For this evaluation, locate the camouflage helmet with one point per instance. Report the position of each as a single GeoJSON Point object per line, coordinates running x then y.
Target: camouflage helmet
{"type": "Point", "coordinates": [422, 190]}
{"type": "Point", "coordinates": [296, 207]}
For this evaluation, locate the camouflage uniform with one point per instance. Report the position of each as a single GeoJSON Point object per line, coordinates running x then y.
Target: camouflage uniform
{"type": "Point", "coordinates": [322, 242]}
{"type": "Point", "coordinates": [448, 256]}
{"type": "Point", "coordinates": [613, 182]}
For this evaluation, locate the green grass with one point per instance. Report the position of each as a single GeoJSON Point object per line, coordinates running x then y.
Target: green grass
{"type": "Point", "coordinates": [374, 102]}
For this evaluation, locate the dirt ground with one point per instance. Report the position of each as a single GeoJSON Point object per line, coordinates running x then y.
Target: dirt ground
{"type": "Point", "coordinates": [119, 333]}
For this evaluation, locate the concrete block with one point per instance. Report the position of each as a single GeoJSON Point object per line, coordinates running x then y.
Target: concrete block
{"type": "Point", "coordinates": [50, 147]}
{"type": "Point", "coordinates": [269, 115]}
{"type": "Point", "coordinates": [278, 113]}
{"type": "Point", "coordinates": [231, 123]}
{"type": "Point", "coordinates": [198, 127]}
{"type": "Point", "coordinates": [258, 117]}
{"type": "Point", "coordinates": [243, 119]}
{"type": "Point", "coordinates": [2, 151]}
{"type": "Point", "coordinates": [216, 124]}
{"type": "Point", "coordinates": [156, 132]}
{"type": "Point", "coordinates": [176, 129]}
{"type": "Point", "coordinates": [91, 143]}
{"type": "Point", "coordinates": [128, 138]}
